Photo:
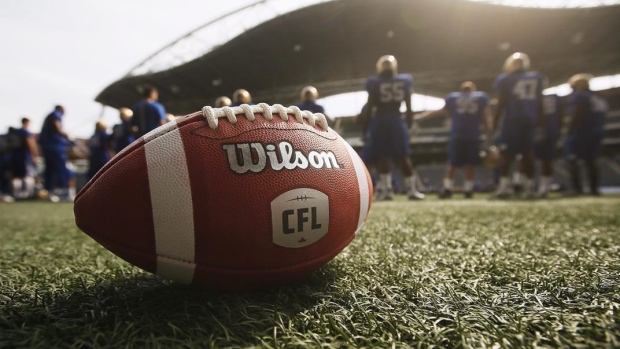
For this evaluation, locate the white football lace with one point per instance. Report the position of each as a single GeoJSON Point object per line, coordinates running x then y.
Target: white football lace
{"type": "Point", "coordinates": [213, 114]}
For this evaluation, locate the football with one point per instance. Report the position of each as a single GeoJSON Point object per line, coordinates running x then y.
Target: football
{"type": "Point", "coordinates": [230, 198]}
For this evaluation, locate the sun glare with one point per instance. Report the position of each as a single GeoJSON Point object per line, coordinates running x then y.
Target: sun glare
{"type": "Point", "coordinates": [552, 3]}
{"type": "Point", "coordinates": [596, 84]}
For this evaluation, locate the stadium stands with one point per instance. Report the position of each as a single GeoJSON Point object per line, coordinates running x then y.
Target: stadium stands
{"type": "Point", "coordinates": [440, 54]}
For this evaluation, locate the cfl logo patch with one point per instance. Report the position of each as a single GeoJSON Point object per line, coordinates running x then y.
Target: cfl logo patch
{"type": "Point", "coordinates": [299, 217]}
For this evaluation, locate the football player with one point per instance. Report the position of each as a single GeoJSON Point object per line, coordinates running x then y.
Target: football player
{"type": "Point", "coordinates": [5, 159]}
{"type": "Point", "coordinates": [468, 110]}
{"type": "Point", "coordinates": [586, 116]}
{"type": "Point", "coordinates": [100, 148]}
{"type": "Point", "coordinates": [241, 96]}
{"type": "Point", "coordinates": [519, 107]}
{"type": "Point", "coordinates": [545, 148]}
{"type": "Point", "coordinates": [122, 135]}
{"type": "Point", "coordinates": [222, 101]}
{"type": "Point", "coordinates": [388, 131]}
{"type": "Point", "coordinates": [148, 114]}
{"type": "Point", "coordinates": [23, 161]}
{"type": "Point", "coordinates": [309, 95]}
{"type": "Point", "coordinates": [54, 143]}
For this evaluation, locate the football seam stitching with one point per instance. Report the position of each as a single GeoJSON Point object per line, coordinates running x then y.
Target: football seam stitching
{"type": "Point", "coordinates": [172, 129]}
{"type": "Point", "coordinates": [176, 259]}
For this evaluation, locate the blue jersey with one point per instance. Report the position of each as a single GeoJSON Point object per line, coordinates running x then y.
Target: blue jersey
{"type": "Point", "coordinates": [99, 145]}
{"type": "Point", "coordinates": [522, 92]}
{"type": "Point", "coordinates": [552, 104]}
{"type": "Point", "coordinates": [18, 141]}
{"type": "Point", "coordinates": [311, 106]}
{"type": "Point", "coordinates": [122, 135]}
{"type": "Point", "coordinates": [49, 137]}
{"type": "Point", "coordinates": [595, 107]}
{"type": "Point", "coordinates": [388, 94]}
{"type": "Point", "coordinates": [147, 116]}
{"type": "Point", "coordinates": [466, 113]}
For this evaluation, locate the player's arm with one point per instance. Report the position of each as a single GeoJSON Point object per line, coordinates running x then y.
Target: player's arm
{"type": "Point", "coordinates": [542, 118]}
{"type": "Point", "coordinates": [486, 119]}
{"type": "Point", "coordinates": [162, 114]}
{"type": "Point", "coordinates": [58, 128]}
{"type": "Point", "coordinates": [32, 146]}
{"type": "Point", "coordinates": [502, 99]}
{"type": "Point", "coordinates": [133, 122]}
{"type": "Point", "coordinates": [366, 114]}
{"type": "Point", "coordinates": [432, 114]}
{"type": "Point", "coordinates": [409, 110]}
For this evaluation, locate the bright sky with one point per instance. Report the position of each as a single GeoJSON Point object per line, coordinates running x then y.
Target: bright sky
{"type": "Point", "coordinates": [66, 51]}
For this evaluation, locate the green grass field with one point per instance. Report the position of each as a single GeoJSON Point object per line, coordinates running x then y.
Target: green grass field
{"type": "Point", "coordinates": [421, 274]}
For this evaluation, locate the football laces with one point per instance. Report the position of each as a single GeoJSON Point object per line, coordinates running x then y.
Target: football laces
{"type": "Point", "coordinates": [212, 115]}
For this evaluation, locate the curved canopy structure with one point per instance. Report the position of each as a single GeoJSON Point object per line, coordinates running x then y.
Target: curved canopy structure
{"type": "Point", "coordinates": [274, 48]}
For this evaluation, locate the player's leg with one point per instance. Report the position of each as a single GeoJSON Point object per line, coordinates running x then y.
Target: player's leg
{"type": "Point", "coordinates": [448, 182]}
{"type": "Point", "coordinates": [546, 177]}
{"type": "Point", "coordinates": [518, 176]}
{"type": "Point", "coordinates": [380, 152]}
{"type": "Point", "coordinates": [591, 164]}
{"type": "Point", "coordinates": [50, 170]}
{"type": "Point", "coordinates": [29, 187]}
{"type": "Point", "coordinates": [69, 181]}
{"type": "Point", "coordinates": [468, 186]}
{"type": "Point", "coordinates": [528, 170]}
{"type": "Point", "coordinates": [545, 152]}
{"type": "Point", "coordinates": [575, 174]}
{"type": "Point", "coordinates": [572, 154]}
{"type": "Point", "coordinates": [526, 148]}
{"type": "Point", "coordinates": [17, 171]}
{"type": "Point", "coordinates": [593, 176]}
{"type": "Point", "coordinates": [406, 166]}
{"type": "Point", "coordinates": [455, 159]}
{"type": "Point", "coordinates": [401, 148]}
{"type": "Point", "coordinates": [507, 145]}
{"type": "Point", "coordinates": [384, 183]}
{"type": "Point", "coordinates": [472, 159]}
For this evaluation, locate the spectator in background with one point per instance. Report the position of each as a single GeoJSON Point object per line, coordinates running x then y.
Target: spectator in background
{"type": "Point", "coordinates": [23, 161]}
{"type": "Point", "coordinates": [122, 134]}
{"type": "Point", "coordinates": [100, 147]}
{"type": "Point", "coordinates": [148, 114]}
{"type": "Point", "coordinates": [170, 117]}
{"type": "Point", "coordinates": [54, 144]}
{"type": "Point", "coordinates": [586, 116]}
{"type": "Point", "coordinates": [241, 96]}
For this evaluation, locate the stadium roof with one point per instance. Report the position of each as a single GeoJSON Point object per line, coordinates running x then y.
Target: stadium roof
{"type": "Point", "coordinates": [274, 48]}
